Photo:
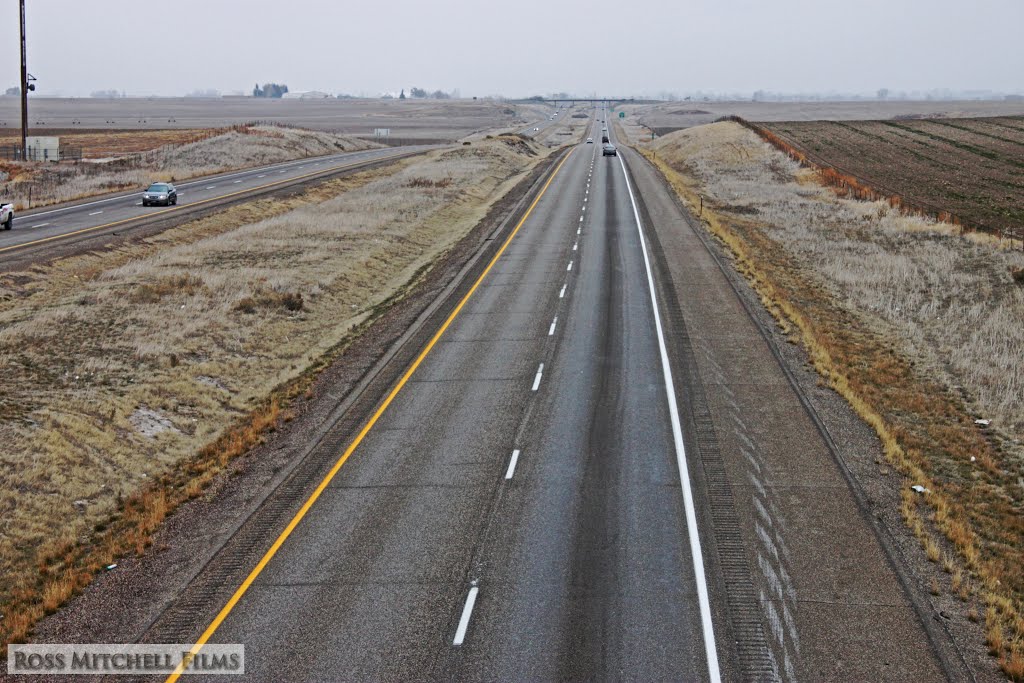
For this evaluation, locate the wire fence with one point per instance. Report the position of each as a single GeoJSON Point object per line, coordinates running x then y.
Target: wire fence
{"type": "Point", "coordinates": [13, 153]}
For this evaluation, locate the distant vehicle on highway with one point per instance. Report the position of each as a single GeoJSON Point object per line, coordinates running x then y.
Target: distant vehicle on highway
{"type": "Point", "coordinates": [7, 215]}
{"type": "Point", "coordinates": [160, 193]}
{"type": "Point", "coordinates": [536, 128]}
{"type": "Point", "coordinates": [604, 139]}
{"type": "Point", "coordinates": [609, 151]}
{"type": "Point", "coordinates": [590, 141]}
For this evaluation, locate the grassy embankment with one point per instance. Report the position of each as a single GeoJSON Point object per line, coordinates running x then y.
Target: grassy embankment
{"type": "Point", "coordinates": [916, 326]}
{"type": "Point", "coordinates": [41, 183]}
{"type": "Point", "coordinates": [132, 376]}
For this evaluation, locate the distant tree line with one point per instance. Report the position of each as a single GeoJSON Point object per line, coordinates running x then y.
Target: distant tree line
{"type": "Point", "coordinates": [107, 94]}
{"type": "Point", "coordinates": [421, 94]}
{"type": "Point", "coordinates": [270, 90]}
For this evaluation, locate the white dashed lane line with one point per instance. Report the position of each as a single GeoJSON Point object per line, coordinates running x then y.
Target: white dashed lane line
{"type": "Point", "coordinates": [95, 213]}
{"type": "Point", "coordinates": [41, 225]}
{"type": "Point", "coordinates": [551, 330]}
{"type": "Point", "coordinates": [562, 293]}
{"type": "Point", "coordinates": [467, 612]}
{"type": "Point", "coordinates": [512, 464]}
{"type": "Point", "coordinates": [536, 380]}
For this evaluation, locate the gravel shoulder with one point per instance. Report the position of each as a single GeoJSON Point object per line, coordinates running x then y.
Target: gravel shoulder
{"type": "Point", "coordinates": [837, 581]}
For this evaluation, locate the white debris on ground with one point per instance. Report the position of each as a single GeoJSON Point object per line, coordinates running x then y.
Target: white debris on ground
{"type": "Point", "coordinates": [149, 422]}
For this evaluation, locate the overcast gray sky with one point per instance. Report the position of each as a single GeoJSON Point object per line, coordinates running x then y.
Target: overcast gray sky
{"type": "Point", "coordinates": [608, 47]}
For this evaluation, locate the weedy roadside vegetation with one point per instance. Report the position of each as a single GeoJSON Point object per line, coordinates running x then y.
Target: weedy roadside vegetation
{"type": "Point", "coordinates": [133, 376]}
{"type": "Point", "coordinates": [39, 183]}
{"type": "Point", "coordinates": [916, 325]}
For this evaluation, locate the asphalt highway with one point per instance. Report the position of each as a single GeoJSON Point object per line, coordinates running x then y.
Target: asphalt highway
{"type": "Point", "coordinates": [50, 225]}
{"type": "Point", "coordinates": [516, 510]}
{"type": "Point", "coordinates": [595, 469]}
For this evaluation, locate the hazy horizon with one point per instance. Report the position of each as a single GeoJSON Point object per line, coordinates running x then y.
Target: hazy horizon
{"type": "Point", "coordinates": [599, 48]}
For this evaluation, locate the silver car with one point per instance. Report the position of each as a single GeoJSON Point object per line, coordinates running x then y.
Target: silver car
{"type": "Point", "coordinates": [160, 193]}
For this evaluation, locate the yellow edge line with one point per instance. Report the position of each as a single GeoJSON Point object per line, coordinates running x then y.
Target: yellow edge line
{"type": "Point", "coordinates": [198, 203]}
{"type": "Point", "coordinates": [212, 628]}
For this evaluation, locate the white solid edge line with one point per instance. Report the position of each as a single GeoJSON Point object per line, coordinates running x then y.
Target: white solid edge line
{"type": "Point", "coordinates": [512, 464]}
{"type": "Point", "coordinates": [536, 380]}
{"type": "Point", "coordinates": [703, 600]}
{"type": "Point", "coordinates": [467, 612]}
{"type": "Point", "coordinates": [551, 330]}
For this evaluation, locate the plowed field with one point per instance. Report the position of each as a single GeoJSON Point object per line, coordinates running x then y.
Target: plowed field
{"type": "Point", "coordinates": [972, 168]}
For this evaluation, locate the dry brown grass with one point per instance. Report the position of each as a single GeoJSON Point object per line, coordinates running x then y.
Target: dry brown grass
{"type": "Point", "coordinates": [161, 326]}
{"type": "Point", "coordinates": [854, 284]}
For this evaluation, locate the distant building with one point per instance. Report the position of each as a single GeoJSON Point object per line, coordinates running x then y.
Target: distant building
{"type": "Point", "coordinates": [308, 95]}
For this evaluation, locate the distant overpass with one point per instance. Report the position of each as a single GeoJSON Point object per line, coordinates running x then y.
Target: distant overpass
{"type": "Point", "coordinates": [576, 100]}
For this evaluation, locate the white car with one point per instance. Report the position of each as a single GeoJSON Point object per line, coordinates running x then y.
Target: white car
{"type": "Point", "coordinates": [590, 141]}
{"type": "Point", "coordinates": [7, 215]}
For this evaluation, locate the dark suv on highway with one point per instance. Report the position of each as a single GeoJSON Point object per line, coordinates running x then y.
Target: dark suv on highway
{"type": "Point", "coordinates": [160, 193]}
{"type": "Point", "coordinates": [609, 151]}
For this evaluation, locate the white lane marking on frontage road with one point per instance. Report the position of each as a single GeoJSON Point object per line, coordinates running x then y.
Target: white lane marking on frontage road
{"type": "Point", "coordinates": [576, 246]}
{"type": "Point", "coordinates": [138, 203]}
{"type": "Point", "coordinates": [569, 267]}
{"type": "Point", "coordinates": [210, 187]}
{"type": "Point", "coordinates": [262, 176]}
{"type": "Point", "coordinates": [95, 213]}
{"type": "Point", "coordinates": [551, 330]}
{"type": "Point", "coordinates": [512, 464]}
{"type": "Point", "coordinates": [236, 182]}
{"type": "Point", "coordinates": [280, 171]}
{"type": "Point", "coordinates": [579, 230]}
{"type": "Point", "coordinates": [41, 225]}
{"type": "Point", "coordinates": [562, 293]}
{"type": "Point", "coordinates": [467, 612]}
{"type": "Point", "coordinates": [536, 380]}
{"type": "Point", "coordinates": [581, 219]}
{"type": "Point", "coordinates": [710, 652]}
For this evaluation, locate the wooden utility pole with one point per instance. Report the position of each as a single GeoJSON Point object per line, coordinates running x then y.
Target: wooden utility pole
{"type": "Point", "coordinates": [24, 86]}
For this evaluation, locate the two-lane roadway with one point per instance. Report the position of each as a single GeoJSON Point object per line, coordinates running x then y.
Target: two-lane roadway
{"type": "Point", "coordinates": [518, 507]}
{"type": "Point", "coordinates": [43, 227]}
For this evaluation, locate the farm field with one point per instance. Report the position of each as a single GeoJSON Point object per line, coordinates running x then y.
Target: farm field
{"type": "Point", "coordinates": [409, 121]}
{"type": "Point", "coordinates": [669, 116]}
{"type": "Point", "coordinates": [102, 144]}
{"type": "Point", "coordinates": [972, 168]}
